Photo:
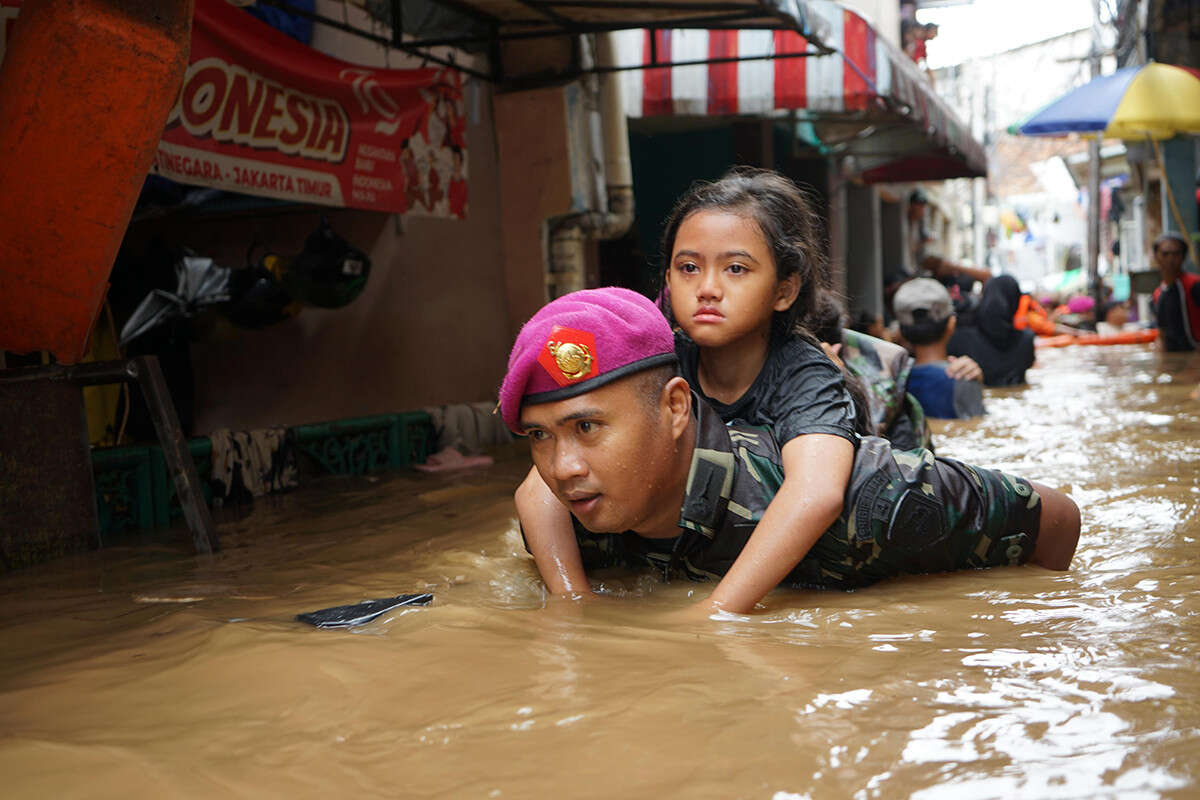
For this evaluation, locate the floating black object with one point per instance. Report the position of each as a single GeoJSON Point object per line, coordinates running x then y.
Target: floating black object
{"type": "Point", "coordinates": [361, 613]}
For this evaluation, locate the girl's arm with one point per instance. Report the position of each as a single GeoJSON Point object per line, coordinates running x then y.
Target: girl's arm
{"type": "Point", "coordinates": [816, 468]}
{"type": "Point", "coordinates": [550, 537]}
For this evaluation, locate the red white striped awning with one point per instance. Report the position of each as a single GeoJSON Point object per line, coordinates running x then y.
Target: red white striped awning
{"type": "Point", "coordinates": [866, 78]}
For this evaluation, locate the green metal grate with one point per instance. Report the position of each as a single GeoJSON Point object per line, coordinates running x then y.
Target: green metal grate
{"type": "Point", "coordinates": [367, 444]}
{"type": "Point", "coordinates": [134, 487]}
{"type": "Point", "coordinates": [124, 488]}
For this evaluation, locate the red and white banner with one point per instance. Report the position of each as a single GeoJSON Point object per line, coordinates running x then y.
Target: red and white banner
{"type": "Point", "coordinates": [262, 114]}
{"type": "Point", "coordinates": [864, 73]}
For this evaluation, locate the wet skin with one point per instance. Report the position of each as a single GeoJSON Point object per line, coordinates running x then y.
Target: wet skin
{"type": "Point", "coordinates": [723, 281]}
{"type": "Point", "coordinates": [614, 460]}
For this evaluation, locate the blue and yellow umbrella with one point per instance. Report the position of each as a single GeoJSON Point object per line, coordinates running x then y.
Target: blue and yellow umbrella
{"type": "Point", "coordinates": [1149, 102]}
{"type": "Point", "coordinates": [1152, 100]}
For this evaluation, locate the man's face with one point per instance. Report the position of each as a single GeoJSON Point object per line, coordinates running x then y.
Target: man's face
{"type": "Point", "coordinates": [1169, 255]}
{"type": "Point", "coordinates": [605, 454]}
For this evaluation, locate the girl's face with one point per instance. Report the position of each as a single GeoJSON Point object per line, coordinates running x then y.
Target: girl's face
{"type": "Point", "coordinates": [722, 279]}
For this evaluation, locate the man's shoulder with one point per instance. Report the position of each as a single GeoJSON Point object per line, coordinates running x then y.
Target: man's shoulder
{"type": "Point", "coordinates": [1191, 284]}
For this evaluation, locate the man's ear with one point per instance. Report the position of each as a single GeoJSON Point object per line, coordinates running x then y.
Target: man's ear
{"type": "Point", "coordinates": [786, 292]}
{"type": "Point", "coordinates": [676, 400]}
{"type": "Point", "coordinates": [951, 324]}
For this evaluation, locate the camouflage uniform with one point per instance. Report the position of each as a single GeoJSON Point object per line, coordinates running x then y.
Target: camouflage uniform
{"type": "Point", "coordinates": [905, 512]}
{"type": "Point", "coordinates": [884, 368]}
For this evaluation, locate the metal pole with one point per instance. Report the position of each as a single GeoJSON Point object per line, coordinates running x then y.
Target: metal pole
{"type": "Point", "coordinates": [1093, 250]}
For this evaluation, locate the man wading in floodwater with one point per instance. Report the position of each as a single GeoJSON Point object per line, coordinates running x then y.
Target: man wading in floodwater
{"type": "Point", "coordinates": [1177, 299]}
{"type": "Point", "coordinates": [652, 477]}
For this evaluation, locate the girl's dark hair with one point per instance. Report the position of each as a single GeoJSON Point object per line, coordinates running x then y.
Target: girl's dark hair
{"type": "Point", "coordinates": [828, 320]}
{"type": "Point", "coordinates": [787, 218]}
{"type": "Point", "coordinates": [863, 424]}
{"type": "Point", "coordinates": [829, 317]}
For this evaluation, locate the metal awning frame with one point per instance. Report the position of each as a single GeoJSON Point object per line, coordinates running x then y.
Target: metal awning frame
{"type": "Point", "coordinates": [734, 15]}
{"type": "Point", "coordinates": [548, 18]}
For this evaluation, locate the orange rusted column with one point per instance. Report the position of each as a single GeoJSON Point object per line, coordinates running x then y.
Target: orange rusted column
{"type": "Point", "coordinates": [85, 90]}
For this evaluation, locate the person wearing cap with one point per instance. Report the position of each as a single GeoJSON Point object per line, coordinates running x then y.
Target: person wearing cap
{"type": "Point", "coordinates": [1177, 299]}
{"type": "Point", "coordinates": [926, 315]}
{"type": "Point", "coordinates": [653, 478]}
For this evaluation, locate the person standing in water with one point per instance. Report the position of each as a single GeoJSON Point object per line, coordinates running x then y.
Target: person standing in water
{"type": "Point", "coordinates": [926, 315]}
{"type": "Point", "coordinates": [1177, 299]}
{"type": "Point", "coordinates": [1002, 351]}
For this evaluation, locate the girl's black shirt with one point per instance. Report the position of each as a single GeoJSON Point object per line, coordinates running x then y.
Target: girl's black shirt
{"type": "Point", "coordinates": [798, 391]}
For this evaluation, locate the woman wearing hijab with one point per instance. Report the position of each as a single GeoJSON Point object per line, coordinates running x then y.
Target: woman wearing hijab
{"type": "Point", "coordinates": [1002, 351]}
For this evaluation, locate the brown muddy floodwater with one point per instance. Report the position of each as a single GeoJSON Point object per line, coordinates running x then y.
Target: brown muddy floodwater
{"type": "Point", "coordinates": [141, 671]}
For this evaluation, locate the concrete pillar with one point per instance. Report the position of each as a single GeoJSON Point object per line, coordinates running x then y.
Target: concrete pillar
{"type": "Point", "coordinates": [535, 183]}
{"type": "Point", "coordinates": [47, 501]}
{"type": "Point", "coordinates": [864, 257]}
{"type": "Point", "coordinates": [891, 236]}
{"type": "Point", "coordinates": [837, 226]}
{"type": "Point", "coordinates": [1179, 163]}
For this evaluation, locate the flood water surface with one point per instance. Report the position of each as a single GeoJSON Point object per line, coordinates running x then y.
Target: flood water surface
{"type": "Point", "coordinates": [140, 671]}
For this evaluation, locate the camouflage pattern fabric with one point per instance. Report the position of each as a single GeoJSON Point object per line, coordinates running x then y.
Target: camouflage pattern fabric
{"type": "Point", "coordinates": [905, 512]}
{"type": "Point", "coordinates": [884, 368]}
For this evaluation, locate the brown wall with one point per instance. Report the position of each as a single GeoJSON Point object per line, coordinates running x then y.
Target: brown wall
{"type": "Point", "coordinates": [431, 327]}
{"type": "Point", "coordinates": [445, 297]}
{"type": "Point", "coordinates": [534, 184]}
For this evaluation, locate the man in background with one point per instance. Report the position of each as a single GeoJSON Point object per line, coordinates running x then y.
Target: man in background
{"type": "Point", "coordinates": [1177, 299]}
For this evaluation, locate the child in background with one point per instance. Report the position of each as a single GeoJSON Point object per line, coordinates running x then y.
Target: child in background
{"type": "Point", "coordinates": [828, 327]}
{"type": "Point", "coordinates": [1114, 319]}
{"type": "Point", "coordinates": [871, 324]}
{"type": "Point", "coordinates": [926, 315]}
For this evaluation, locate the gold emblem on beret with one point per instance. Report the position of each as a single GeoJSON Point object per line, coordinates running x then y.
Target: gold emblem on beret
{"type": "Point", "coordinates": [574, 359]}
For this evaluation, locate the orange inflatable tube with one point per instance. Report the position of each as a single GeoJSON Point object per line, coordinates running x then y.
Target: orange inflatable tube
{"type": "Point", "coordinates": [85, 90]}
{"type": "Point", "coordinates": [1129, 337]}
{"type": "Point", "coordinates": [1062, 340]}
{"type": "Point", "coordinates": [1030, 314]}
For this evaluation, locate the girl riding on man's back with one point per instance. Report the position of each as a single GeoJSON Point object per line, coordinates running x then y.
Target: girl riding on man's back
{"type": "Point", "coordinates": [743, 268]}
{"type": "Point", "coordinates": [744, 265]}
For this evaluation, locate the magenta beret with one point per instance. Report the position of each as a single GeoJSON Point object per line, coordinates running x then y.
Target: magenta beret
{"type": "Point", "coordinates": [580, 342]}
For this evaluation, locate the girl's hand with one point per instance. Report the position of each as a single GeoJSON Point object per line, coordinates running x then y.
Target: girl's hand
{"type": "Point", "coordinates": [816, 470]}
